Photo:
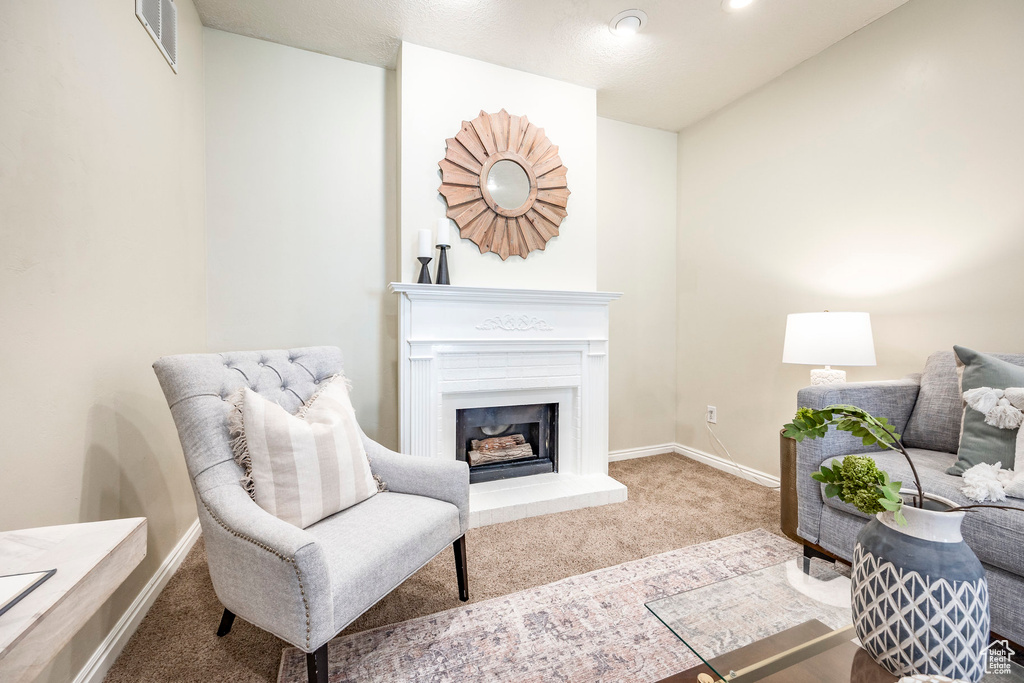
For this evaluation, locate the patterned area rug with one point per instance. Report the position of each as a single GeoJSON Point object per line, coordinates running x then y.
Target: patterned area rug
{"type": "Point", "coordinates": [592, 627]}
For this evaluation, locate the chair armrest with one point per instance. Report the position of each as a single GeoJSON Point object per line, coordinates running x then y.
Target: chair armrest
{"type": "Point", "coordinates": [443, 479]}
{"type": "Point", "coordinates": [267, 571]}
{"type": "Point", "coordinates": [233, 507]}
{"type": "Point", "coordinates": [892, 399]}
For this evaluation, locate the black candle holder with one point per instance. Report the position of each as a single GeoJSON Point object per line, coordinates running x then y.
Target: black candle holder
{"type": "Point", "coordinates": [442, 266]}
{"type": "Point", "coordinates": [424, 273]}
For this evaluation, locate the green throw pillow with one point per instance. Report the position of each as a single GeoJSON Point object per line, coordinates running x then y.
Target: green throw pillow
{"type": "Point", "coordinates": [980, 442]}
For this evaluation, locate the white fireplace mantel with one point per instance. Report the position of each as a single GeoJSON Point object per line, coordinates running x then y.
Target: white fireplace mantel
{"type": "Point", "coordinates": [422, 292]}
{"type": "Point", "coordinates": [464, 347]}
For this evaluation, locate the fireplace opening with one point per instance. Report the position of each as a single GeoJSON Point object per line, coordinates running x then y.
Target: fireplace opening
{"type": "Point", "coordinates": [507, 441]}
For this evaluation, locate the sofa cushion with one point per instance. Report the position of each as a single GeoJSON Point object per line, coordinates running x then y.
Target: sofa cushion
{"type": "Point", "coordinates": [981, 442]}
{"type": "Point", "coordinates": [372, 547]}
{"type": "Point", "coordinates": [935, 423]}
{"type": "Point", "coordinates": [996, 536]}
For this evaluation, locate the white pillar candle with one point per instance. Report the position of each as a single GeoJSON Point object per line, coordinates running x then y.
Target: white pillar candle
{"type": "Point", "coordinates": [444, 232]}
{"type": "Point", "coordinates": [426, 248]}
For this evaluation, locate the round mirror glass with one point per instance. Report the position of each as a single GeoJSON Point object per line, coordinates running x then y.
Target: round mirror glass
{"type": "Point", "coordinates": [508, 184]}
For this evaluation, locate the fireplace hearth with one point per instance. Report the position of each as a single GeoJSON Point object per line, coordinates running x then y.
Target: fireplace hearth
{"type": "Point", "coordinates": [501, 442]}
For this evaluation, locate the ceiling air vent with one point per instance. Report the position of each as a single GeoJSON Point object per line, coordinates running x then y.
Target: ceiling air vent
{"type": "Point", "coordinates": [160, 17]}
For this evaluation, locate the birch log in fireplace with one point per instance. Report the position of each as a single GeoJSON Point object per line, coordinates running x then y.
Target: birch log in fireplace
{"type": "Point", "coordinates": [471, 348]}
{"type": "Point", "coordinates": [499, 449]}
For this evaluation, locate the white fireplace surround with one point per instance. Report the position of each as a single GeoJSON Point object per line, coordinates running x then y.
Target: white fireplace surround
{"type": "Point", "coordinates": [471, 347]}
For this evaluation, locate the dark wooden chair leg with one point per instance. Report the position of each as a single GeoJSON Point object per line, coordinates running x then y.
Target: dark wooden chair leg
{"type": "Point", "coordinates": [226, 621]}
{"type": "Point", "coordinates": [316, 665]}
{"type": "Point", "coordinates": [460, 568]}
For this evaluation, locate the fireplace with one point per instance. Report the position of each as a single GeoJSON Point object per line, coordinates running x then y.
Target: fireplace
{"type": "Point", "coordinates": [501, 442]}
{"type": "Point", "coordinates": [465, 348]}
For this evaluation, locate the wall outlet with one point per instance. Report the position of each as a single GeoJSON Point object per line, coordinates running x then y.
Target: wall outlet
{"type": "Point", "coordinates": [712, 415]}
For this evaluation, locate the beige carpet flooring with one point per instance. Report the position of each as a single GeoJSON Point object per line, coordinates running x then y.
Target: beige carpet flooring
{"type": "Point", "coordinates": [673, 502]}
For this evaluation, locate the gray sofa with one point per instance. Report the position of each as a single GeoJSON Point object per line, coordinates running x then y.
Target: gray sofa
{"type": "Point", "coordinates": [927, 411]}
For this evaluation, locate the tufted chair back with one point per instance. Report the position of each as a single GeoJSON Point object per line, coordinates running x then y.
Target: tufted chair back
{"type": "Point", "coordinates": [197, 387]}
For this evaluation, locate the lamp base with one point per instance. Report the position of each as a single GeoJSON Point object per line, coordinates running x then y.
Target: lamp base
{"type": "Point", "coordinates": [827, 375]}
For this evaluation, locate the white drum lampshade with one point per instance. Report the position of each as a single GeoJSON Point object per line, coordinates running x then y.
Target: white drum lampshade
{"type": "Point", "coordinates": [829, 339]}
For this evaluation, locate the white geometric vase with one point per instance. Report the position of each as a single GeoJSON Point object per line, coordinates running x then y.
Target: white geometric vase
{"type": "Point", "coordinates": [920, 597]}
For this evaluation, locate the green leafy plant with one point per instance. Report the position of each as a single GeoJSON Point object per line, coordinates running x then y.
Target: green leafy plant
{"type": "Point", "coordinates": [856, 479]}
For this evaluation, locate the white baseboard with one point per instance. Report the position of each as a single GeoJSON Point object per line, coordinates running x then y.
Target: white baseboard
{"type": "Point", "coordinates": [642, 452]}
{"type": "Point", "coordinates": [718, 462]}
{"type": "Point", "coordinates": [103, 658]}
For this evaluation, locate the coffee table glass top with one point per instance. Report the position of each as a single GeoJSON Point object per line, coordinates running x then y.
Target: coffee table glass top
{"type": "Point", "coordinates": [724, 616]}
{"type": "Point", "coordinates": [720, 618]}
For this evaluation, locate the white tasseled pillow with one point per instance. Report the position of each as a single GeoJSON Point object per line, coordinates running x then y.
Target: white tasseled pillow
{"type": "Point", "coordinates": [303, 467]}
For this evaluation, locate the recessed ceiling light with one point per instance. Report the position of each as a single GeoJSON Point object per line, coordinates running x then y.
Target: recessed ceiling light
{"type": "Point", "coordinates": [627, 23]}
{"type": "Point", "coordinates": [734, 5]}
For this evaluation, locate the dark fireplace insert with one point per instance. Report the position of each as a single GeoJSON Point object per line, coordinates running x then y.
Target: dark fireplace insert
{"type": "Point", "coordinates": [507, 441]}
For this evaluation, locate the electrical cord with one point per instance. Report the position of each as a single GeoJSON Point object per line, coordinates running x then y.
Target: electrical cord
{"type": "Point", "coordinates": [757, 479]}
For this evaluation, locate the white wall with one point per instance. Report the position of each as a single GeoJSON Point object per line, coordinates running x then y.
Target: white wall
{"type": "Point", "coordinates": [300, 211]}
{"type": "Point", "coordinates": [437, 92]}
{"type": "Point", "coordinates": [882, 175]}
{"type": "Point", "coordinates": [101, 272]}
{"type": "Point", "coordinates": [636, 240]}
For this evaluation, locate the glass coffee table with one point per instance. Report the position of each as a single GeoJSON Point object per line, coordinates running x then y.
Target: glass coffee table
{"type": "Point", "coordinates": [789, 622]}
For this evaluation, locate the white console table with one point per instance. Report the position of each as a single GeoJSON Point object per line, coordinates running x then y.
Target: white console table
{"type": "Point", "coordinates": [92, 559]}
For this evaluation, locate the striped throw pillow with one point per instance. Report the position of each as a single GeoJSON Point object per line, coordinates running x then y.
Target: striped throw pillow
{"type": "Point", "coordinates": [303, 467]}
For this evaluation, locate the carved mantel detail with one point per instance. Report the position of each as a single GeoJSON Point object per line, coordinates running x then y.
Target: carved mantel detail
{"type": "Point", "coordinates": [515, 323]}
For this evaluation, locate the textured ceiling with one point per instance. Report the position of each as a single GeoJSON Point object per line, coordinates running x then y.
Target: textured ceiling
{"type": "Point", "coordinates": [691, 59]}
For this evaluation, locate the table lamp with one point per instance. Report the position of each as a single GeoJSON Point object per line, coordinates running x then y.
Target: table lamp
{"type": "Point", "coordinates": [828, 339]}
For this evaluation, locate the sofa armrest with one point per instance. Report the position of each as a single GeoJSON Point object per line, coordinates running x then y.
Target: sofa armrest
{"type": "Point", "coordinates": [893, 400]}
{"type": "Point", "coordinates": [267, 571]}
{"type": "Point", "coordinates": [446, 480]}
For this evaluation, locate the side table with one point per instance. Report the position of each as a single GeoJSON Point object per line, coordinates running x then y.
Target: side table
{"type": "Point", "coordinates": [787, 492]}
{"type": "Point", "coordinates": [92, 559]}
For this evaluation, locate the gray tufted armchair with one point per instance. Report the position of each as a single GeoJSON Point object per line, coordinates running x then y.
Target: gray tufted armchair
{"type": "Point", "coordinates": [305, 585]}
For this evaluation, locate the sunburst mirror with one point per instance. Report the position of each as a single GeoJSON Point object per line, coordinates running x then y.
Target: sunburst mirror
{"type": "Point", "coordinates": [504, 184]}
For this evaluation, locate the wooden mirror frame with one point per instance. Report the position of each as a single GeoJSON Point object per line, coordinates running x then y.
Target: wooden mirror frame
{"type": "Point", "coordinates": [482, 142]}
